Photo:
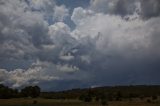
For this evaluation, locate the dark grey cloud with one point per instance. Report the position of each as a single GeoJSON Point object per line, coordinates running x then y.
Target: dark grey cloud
{"type": "Point", "coordinates": [121, 7]}
{"type": "Point", "coordinates": [146, 8]}
{"type": "Point", "coordinates": [150, 8]}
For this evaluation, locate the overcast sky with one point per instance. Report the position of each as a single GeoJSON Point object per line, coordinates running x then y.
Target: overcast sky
{"type": "Point", "coordinates": [64, 44]}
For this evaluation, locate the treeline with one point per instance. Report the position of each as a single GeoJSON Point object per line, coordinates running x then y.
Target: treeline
{"type": "Point", "coordinates": [29, 91]}
{"type": "Point", "coordinates": [110, 93]}
{"type": "Point", "coordinates": [89, 94]}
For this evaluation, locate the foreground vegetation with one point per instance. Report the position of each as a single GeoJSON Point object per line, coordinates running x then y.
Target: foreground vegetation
{"type": "Point", "coordinates": [53, 102]}
{"type": "Point", "coordinates": [140, 95]}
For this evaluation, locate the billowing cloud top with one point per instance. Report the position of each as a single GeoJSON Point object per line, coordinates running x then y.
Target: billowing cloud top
{"type": "Point", "coordinates": [114, 42]}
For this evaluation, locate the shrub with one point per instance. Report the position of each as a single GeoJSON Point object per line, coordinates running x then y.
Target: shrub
{"type": "Point", "coordinates": [104, 103]}
{"type": "Point", "coordinates": [34, 102]}
{"type": "Point", "coordinates": [154, 97]}
{"type": "Point", "coordinates": [148, 100]}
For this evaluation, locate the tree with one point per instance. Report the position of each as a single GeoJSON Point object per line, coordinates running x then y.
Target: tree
{"type": "Point", "coordinates": [6, 92]}
{"type": "Point", "coordinates": [31, 91]}
{"type": "Point", "coordinates": [36, 91]}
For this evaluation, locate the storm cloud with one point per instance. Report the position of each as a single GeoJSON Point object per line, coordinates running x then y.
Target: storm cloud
{"type": "Point", "coordinates": [114, 42]}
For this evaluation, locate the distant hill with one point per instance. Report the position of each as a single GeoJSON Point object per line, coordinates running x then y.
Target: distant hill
{"type": "Point", "coordinates": [110, 91]}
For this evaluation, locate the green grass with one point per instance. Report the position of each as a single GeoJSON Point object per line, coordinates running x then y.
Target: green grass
{"type": "Point", "coordinates": [53, 102]}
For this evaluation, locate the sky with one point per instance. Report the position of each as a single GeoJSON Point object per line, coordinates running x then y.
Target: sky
{"type": "Point", "coordinates": [65, 44]}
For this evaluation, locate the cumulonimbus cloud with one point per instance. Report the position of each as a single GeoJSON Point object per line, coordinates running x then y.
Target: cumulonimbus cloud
{"type": "Point", "coordinates": [117, 44]}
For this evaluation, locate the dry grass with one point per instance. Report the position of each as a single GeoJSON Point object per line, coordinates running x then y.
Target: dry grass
{"type": "Point", "coordinates": [53, 102]}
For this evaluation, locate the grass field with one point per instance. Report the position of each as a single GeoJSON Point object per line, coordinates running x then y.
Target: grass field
{"type": "Point", "coordinates": [53, 102]}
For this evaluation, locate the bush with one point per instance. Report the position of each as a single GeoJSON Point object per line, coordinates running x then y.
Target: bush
{"type": "Point", "coordinates": [34, 102]}
{"type": "Point", "coordinates": [141, 97]}
{"type": "Point", "coordinates": [97, 98]}
{"type": "Point", "coordinates": [104, 103]}
{"type": "Point", "coordinates": [148, 101]}
{"type": "Point", "coordinates": [154, 97]}
{"type": "Point", "coordinates": [118, 96]}
{"type": "Point", "coordinates": [88, 99]}
{"type": "Point", "coordinates": [85, 98]}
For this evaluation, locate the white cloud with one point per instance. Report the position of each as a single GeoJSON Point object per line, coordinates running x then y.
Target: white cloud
{"type": "Point", "coordinates": [50, 10]}
{"type": "Point", "coordinates": [120, 36]}
{"type": "Point", "coordinates": [59, 28]}
{"type": "Point", "coordinates": [37, 73]}
{"type": "Point", "coordinates": [42, 4]}
{"type": "Point", "coordinates": [79, 14]}
{"type": "Point", "coordinates": [61, 12]}
{"type": "Point", "coordinates": [59, 33]}
{"type": "Point", "coordinates": [67, 68]}
{"type": "Point", "coordinates": [47, 47]}
{"type": "Point", "coordinates": [103, 5]}
{"type": "Point", "coordinates": [61, 36]}
{"type": "Point", "coordinates": [66, 57]}
{"type": "Point", "coordinates": [86, 58]}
